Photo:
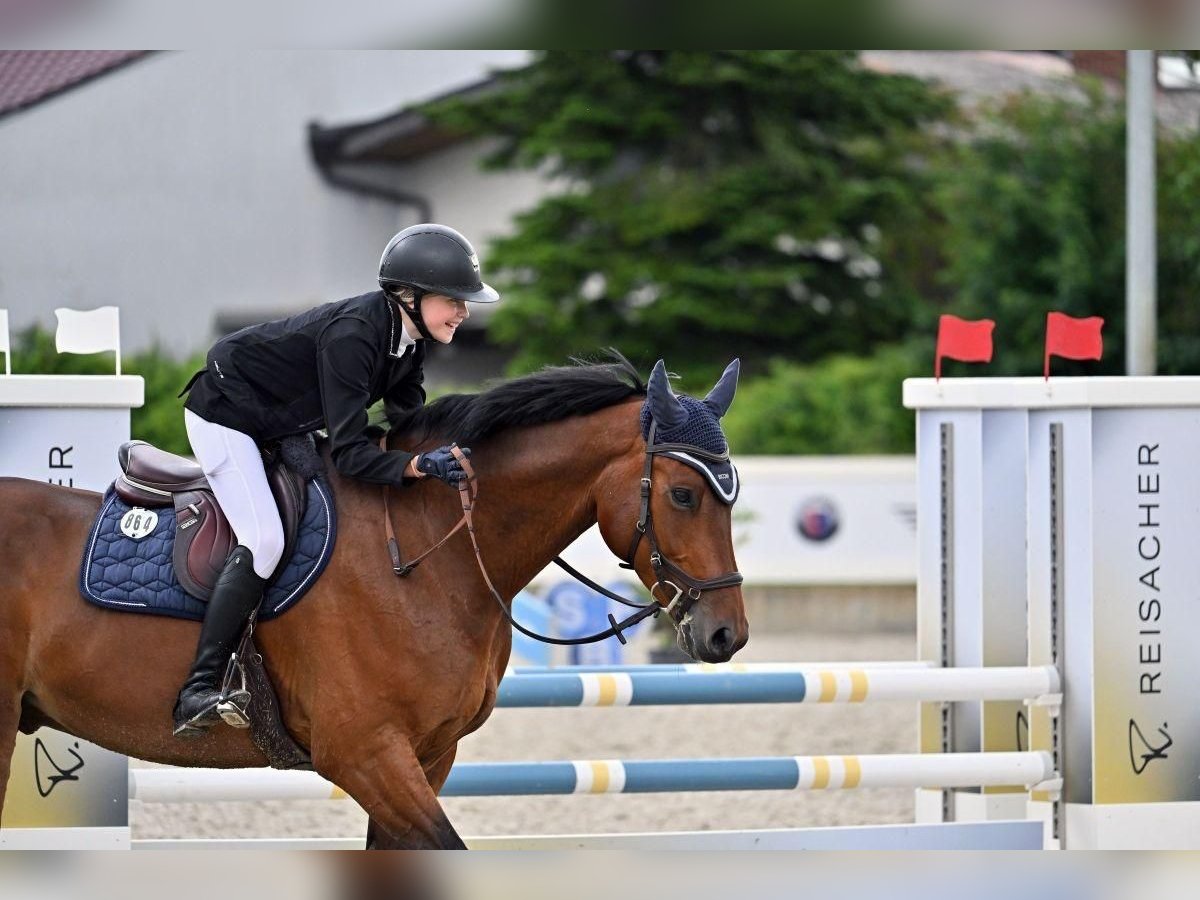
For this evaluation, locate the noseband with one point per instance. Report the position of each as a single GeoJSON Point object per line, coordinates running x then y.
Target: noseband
{"type": "Point", "coordinates": [688, 590]}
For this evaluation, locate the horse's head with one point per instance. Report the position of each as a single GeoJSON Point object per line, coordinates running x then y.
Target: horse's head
{"type": "Point", "coordinates": [667, 511]}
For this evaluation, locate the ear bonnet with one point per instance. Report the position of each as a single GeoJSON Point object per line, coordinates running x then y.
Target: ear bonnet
{"type": "Point", "coordinates": [689, 430]}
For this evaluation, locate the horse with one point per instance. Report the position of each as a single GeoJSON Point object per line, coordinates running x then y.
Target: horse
{"type": "Point", "coordinates": [379, 677]}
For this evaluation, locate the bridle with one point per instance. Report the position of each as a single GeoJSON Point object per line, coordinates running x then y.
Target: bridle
{"type": "Point", "coordinates": [668, 574]}
{"type": "Point", "coordinates": [688, 589]}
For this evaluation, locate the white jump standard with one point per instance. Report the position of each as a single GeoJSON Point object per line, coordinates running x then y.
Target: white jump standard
{"type": "Point", "coordinates": [1057, 524]}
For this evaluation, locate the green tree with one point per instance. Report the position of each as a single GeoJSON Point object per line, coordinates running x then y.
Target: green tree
{"type": "Point", "coordinates": [754, 203]}
{"type": "Point", "coordinates": [1034, 207]}
{"type": "Point", "coordinates": [844, 404]}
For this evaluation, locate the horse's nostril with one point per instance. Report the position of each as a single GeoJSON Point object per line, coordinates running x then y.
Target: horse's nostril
{"type": "Point", "coordinates": [721, 640]}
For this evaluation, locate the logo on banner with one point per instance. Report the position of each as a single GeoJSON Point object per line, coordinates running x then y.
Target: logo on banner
{"type": "Point", "coordinates": [55, 774]}
{"type": "Point", "coordinates": [1142, 752]}
{"type": "Point", "coordinates": [138, 523]}
{"type": "Point", "coordinates": [818, 519]}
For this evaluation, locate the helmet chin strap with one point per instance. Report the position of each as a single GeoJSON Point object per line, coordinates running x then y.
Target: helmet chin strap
{"type": "Point", "coordinates": [414, 314]}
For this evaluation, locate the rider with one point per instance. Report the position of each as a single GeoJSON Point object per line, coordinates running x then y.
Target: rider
{"type": "Point", "coordinates": [321, 368]}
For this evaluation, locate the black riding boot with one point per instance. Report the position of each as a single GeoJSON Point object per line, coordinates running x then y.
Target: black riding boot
{"type": "Point", "coordinates": [235, 596]}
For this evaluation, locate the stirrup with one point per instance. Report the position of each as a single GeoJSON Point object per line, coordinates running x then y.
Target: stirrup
{"type": "Point", "coordinates": [234, 705]}
{"type": "Point", "coordinates": [234, 709]}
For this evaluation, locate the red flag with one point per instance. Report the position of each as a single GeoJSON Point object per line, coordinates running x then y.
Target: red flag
{"type": "Point", "coordinates": [963, 340]}
{"type": "Point", "coordinates": [1072, 338]}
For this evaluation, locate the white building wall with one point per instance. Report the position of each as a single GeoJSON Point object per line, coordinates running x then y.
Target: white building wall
{"type": "Point", "coordinates": [484, 202]}
{"type": "Point", "coordinates": [182, 185]}
{"type": "Point", "coordinates": [480, 204]}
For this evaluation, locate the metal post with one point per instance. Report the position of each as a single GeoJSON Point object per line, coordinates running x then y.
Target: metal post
{"type": "Point", "coordinates": [1141, 285]}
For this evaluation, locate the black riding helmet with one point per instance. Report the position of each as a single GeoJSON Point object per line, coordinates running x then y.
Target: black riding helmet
{"type": "Point", "coordinates": [434, 259]}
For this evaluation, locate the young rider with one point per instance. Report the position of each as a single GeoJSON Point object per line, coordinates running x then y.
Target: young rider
{"type": "Point", "coordinates": [321, 368]}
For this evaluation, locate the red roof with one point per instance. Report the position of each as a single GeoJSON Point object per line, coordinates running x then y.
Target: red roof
{"type": "Point", "coordinates": [30, 76]}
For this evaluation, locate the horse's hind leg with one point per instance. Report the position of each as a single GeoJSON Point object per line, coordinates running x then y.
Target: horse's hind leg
{"type": "Point", "coordinates": [387, 781]}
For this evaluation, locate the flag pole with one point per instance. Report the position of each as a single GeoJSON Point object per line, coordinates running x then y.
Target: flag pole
{"type": "Point", "coordinates": [5, 343]}
{"type": "Point", "coordinates": [1046, 351]}
{"type": "Point", "coordinates": [1141, 285]}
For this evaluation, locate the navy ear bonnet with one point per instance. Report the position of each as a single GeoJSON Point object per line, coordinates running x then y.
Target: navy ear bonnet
{"type": "Point", "coordinates": [680, 419]}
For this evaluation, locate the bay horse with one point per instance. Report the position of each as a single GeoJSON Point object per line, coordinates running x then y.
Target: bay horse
{"type": "Point", "coordinates": [378, 677]}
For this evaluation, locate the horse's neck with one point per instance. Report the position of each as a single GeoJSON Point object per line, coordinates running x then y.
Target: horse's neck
{"type": "Point", "coordinates": [537, 491]}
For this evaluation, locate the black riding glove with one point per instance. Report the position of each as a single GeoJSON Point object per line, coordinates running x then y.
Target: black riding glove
{"type": "Point", "coordinates": [441, 463]}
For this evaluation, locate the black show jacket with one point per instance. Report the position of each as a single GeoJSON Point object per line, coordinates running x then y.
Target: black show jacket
{"type": "Point", "coordinates": [323, 367]}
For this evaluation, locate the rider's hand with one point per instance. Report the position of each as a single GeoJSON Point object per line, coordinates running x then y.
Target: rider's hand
{"type": "Point", "coordinates": [441, 463]}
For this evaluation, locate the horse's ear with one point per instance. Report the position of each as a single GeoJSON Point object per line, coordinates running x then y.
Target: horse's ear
{"type": "Point", "coordinates": [720, 398]}
{"type": "Point", "coordinates": [665, 407]}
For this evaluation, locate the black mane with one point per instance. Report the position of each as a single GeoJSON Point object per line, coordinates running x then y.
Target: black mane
{"type": "Point", "coordinates": [554, 393]}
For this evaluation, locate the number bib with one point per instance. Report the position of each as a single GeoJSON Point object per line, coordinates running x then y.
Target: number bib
{"type": "Point", "coordinates": [139, 523]}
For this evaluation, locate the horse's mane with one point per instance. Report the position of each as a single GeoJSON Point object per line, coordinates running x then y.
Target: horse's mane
{"type": "Point", "coordinates": [552, 394]}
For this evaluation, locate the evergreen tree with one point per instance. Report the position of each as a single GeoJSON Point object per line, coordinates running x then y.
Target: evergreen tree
{"type": "Point", "coordinates": [754, 203]}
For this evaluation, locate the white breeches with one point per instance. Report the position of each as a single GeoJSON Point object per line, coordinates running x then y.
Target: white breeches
{"type": "Point", "coordinates": [234, 467]}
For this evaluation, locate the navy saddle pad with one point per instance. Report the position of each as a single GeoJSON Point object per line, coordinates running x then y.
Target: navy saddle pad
{"type": "Point", "coordinates": [137, 575]}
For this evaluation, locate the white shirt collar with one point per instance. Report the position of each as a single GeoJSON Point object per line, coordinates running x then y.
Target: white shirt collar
{"type": "Point", "coordinates": [398, 347]}
{"type": "Point", "coordinates": [406, 340]}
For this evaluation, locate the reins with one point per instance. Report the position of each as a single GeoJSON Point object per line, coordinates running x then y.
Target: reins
{"type": "Point", "coordinates": [402, 568]}
{"type": "Point", "coordinates": [468, 492]}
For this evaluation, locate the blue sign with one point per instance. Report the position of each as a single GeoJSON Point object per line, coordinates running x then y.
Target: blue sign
{"type": "Point", "coordinates": [535, 615]}
{"type": "Point", "coordinates": [579, 611]}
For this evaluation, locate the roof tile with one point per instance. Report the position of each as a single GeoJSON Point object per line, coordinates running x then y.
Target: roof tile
{"type": "Point", "coordinates": [31, 76]}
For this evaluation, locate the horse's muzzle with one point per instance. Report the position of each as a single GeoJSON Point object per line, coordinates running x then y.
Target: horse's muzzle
{"type": "Point", "coordinates": [713, 644]}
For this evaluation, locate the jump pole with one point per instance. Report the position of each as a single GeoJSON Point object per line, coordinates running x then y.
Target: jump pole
{"type": "Point", "coordinates": [804, 773]}
{"type": "Point", "coordinates": [963, 836]}
{"type": "Point", "coordinates": [851, 685]}
{"type": "Point", "coordinates": [728, 668]}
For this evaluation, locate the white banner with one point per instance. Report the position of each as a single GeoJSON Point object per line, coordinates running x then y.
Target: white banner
{"type": "Point", "coordinates": [804, 520]}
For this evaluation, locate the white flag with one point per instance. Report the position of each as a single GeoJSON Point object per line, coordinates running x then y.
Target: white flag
{"type": "Point", "coordinates": [4, 348]}
{"type": "Point", "coordinates": [88, 331]}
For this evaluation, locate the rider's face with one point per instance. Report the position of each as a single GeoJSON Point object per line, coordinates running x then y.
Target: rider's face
{"type": "Point", "coordinates": [443, 315]}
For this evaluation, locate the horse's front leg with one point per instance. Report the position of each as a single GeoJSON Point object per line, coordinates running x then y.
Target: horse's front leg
{"type": "Point", "coordinates": [386, 779]}
{"type": "Point", "coordinates": [10, 717]}
{"type": "Point", "coordinates": [436, 774]}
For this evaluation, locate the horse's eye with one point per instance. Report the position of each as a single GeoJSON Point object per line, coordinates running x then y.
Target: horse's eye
{"type": "Point", "coordinates": [683, 497]}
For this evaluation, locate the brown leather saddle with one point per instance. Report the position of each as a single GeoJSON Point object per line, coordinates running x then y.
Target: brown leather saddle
{"type": "Point", "coordinates": [203, 539]}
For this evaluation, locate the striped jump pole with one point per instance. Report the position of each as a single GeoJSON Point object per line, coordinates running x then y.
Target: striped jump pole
{"type": "Point", "coordinates": [640, 688]}
{"type": "Point", "coordinates": [718, 668]}
{"type": "Point", "coordinates": [804, 773]}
